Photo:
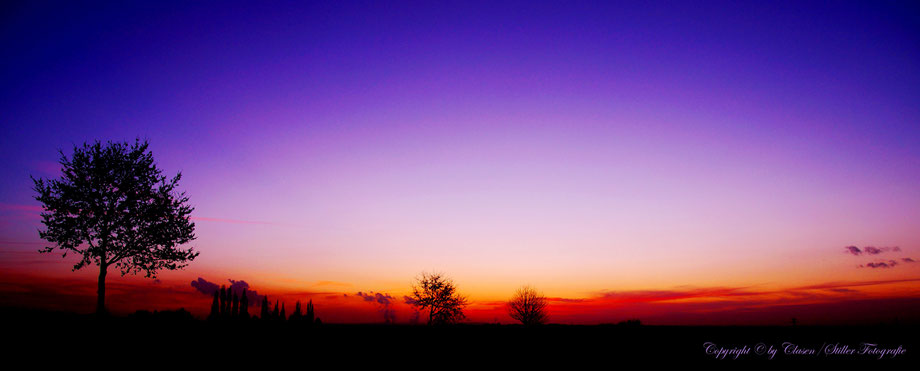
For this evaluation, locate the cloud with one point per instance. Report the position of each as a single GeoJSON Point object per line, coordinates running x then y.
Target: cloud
{"type": "Point", "coordinates": [209, 288]}
{"type": "Point", "coordinates": [205, 287]}
{"type": "Point", "coordinates": [871, 250]}
{"type": "Point", "coordinates": [383, 301]}
{"type": "Point", "coordinates": [378, 297]}
{"type": "Point", "coordinates": [888, 264]}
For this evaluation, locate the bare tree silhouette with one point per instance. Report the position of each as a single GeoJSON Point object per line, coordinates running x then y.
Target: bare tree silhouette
{"type": "Point", "coordinates": [528, 306]}
{"type": "Point", "coordinates": [438, 295]}
{"type": "Point", "coordinates": [114, 207]}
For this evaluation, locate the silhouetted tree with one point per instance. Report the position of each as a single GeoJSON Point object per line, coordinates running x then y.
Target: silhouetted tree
{"type": "Point", "coordinates": [223, 302]}
{"type": "Point", "coordinates": [282, 316]}
{"type": "Point", "coordinates": [528, 306]}
{"type": "Point", "coordinates": [244, 305]}
{"type": "Point", "coordinates": [263, 314]}
{"type": "Point", "coordinates": [215, 307]}
{"type": "Point", "coordinates": [113, 207]}
{"type": "Point", "coordinates": [309, 317]}
{"type": "Point", "coordinates": [275, 312]}
{"type": "Point", "coordinates": [297, 315]}
{"type": "Point", "coordinates": [438, 295]}
{"type": "Point", "coordinates": [235, 307]}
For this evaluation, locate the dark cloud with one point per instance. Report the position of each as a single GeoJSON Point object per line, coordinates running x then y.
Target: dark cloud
{"type": "Point", "coordinates": [909, 260]}
{"type": "Point", "coordinates": [888, 264]}
{"type": "Point", "coordinates": [209, 288]}
{"type": "Point", "coordinates": [383, 301]}
{"type": "Point", "coordinates": [204, 286]}
{"type": "Point", "coordinates": [872, 250]}
{"type": "Point", "coordinates": [854, 250]}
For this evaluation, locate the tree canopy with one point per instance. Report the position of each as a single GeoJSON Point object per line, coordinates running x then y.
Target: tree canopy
{"type": "Point", "coordinates": [528, 306]}
{"type": "Point", "coordinates": [114, 207]}
{"type": "Point", "coordinates": [438, 294]}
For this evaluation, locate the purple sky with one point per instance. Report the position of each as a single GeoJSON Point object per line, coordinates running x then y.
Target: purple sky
{"type": "Point", "coordinates": [579, 148]}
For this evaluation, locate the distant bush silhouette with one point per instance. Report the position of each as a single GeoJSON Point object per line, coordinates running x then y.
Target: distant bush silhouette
{"type": "Point", "coordinates": [528, 306]}
{"type": "Point", "coordinates": [113, 207]}
{"type": "Point", "coordinates": [438, 295]}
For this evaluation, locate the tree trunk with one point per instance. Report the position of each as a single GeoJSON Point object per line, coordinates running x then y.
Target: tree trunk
{"type": "Point", "coordinates": [100, 291]}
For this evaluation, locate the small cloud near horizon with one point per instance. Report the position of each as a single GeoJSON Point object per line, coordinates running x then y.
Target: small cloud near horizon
{"type": "Point", "coordinates": [881, 264]}
{"type": "Point", "coordinates": [870, 250]}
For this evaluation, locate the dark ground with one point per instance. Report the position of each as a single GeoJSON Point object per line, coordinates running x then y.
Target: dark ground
{"type": "Point", "coordinates": [164, 340]}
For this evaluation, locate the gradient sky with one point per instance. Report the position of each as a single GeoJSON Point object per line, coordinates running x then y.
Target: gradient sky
{"type": "Point", "coordinates": [658, 161]}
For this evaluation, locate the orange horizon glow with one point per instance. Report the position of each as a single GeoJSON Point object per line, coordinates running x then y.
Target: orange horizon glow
{"type": "Point", "coordinates": [338, 302]}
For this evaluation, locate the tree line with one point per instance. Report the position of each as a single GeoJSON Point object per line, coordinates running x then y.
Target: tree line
{"type": "Point", "coordinates": [227, 305]}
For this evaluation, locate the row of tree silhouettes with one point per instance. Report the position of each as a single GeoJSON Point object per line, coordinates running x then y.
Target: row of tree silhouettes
{"type": "Point", "coordinates": [432, 292]}
{"type": "Point", "coordinates": [227, 305]}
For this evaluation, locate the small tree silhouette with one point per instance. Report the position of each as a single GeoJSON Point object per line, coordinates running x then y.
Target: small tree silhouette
{"type": "Point", "coordinates": [528, 306]}
{"type": "Point", "coordinates": [113, 207]}
{"type": "Point", "coordinates": [310, 316]}
{"type": "Point", "coordinates": [244, 305]}
{"type": "Point", "coordinates": [438, 295]}
{"type": "Point", "coordinates": [235, 307]}
{"type": "Point", "coordinates": [215, 306]}
{"type": "Point", "coordinates": [298, 312]}
{"type": "Point", "coordinates": [224, 303]}
{"type": "Point", "coordinates": [264, 312]}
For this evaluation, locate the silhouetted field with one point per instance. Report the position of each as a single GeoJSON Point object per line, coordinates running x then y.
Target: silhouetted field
{"type": "Point", "coordinates": [171, 335]}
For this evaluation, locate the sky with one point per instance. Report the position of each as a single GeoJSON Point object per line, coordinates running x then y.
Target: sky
{"type": "Point", "coordinates": [676, 162]}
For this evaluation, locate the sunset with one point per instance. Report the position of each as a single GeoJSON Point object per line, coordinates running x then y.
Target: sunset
{"type": "Point", "coordinates": [674, 163]}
